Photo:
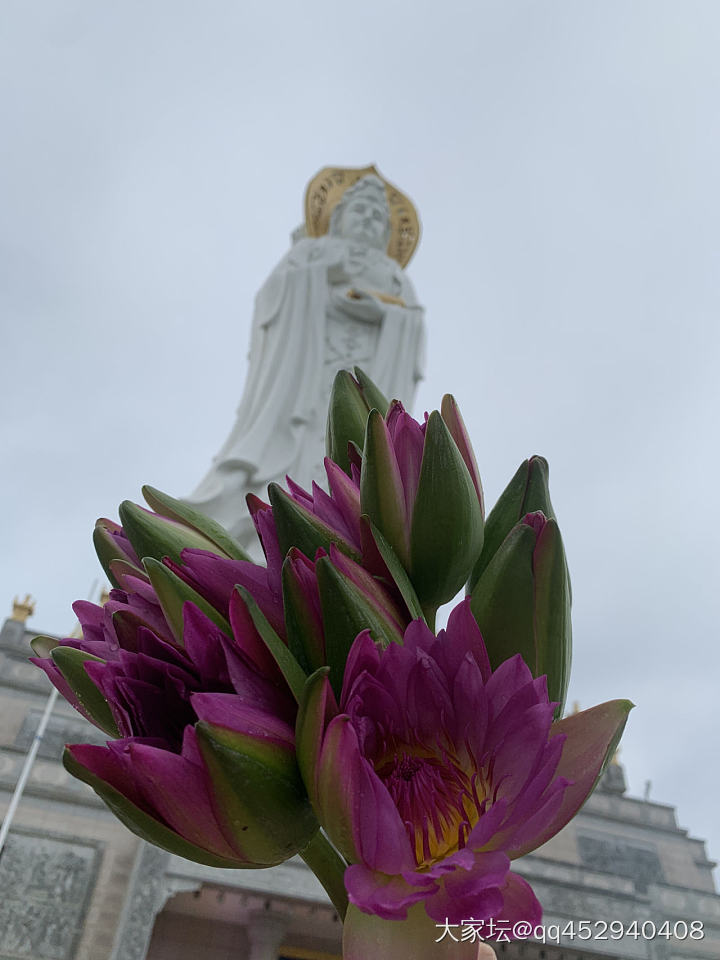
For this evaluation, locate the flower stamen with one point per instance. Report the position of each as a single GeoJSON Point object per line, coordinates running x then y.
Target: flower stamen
{"type": "Point", "coordinates": [440, 801]}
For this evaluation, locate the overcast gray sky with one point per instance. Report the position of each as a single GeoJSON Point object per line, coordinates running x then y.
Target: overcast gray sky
{"type": "Point", "coordinates": [564, 158]}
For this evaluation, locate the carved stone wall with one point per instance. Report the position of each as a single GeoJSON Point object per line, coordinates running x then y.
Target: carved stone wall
{"type": "Point", "coordinates": [45, 886]}
{"type": "Point", "coordinates": [146, 897]}
{"type": "Point", "coordinates": [76, 885]}
{"type": "Point", "coordinates": [615, 855]}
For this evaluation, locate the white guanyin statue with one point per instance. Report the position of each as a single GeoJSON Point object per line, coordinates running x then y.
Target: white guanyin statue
{"type": "Point", "coordinates": [338, 299]}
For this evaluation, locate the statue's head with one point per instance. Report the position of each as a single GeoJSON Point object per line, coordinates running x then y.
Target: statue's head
{"type": "Point", "coordinates": [363, 214]}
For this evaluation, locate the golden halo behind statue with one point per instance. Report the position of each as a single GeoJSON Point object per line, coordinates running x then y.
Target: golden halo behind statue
{"type": "Point", "coordinates": [325, 191]}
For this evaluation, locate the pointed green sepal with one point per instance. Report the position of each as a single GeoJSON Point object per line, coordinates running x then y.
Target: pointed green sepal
{"type": "Point", "coordinates": [447, 526]}
{"type": "Point", "coordinates": [261, 800]}
{"type": "Point", "coordinates": [527, 492]}
{"type": "Point", "coordinates": [347, 416]}
{"type": "Point", "coordinates": [302, 622]}
{"type": "Point", "coordinates": [522, 604]}
{"type": "Point", "coordinates": [141, 823]}
{"type": "Point", "coordinates": [108, 550]}
{"type": "Point", "coordinates": [503, 600]}
{"type": "Point", "coordinates": [347, 611]}
{"type": "Point", "coordinates": [289, 667]}
{"type": "Point", "coordinates": [43, 646]}
{"type": "Point", "coordinates": [350, 402]}
{"type": "Point", "coordinates": [382, 496]}
{"type": "Point", "coordinates": [71, 663]}
{"type": "Point", "coordinates": [317, 707]}
{"type": "Point", "coordinates": [373, 395]}
{"type": "Point", "coordinates": [450, 412]}
{"type": "Point", "coordinates": [553, 627]}
{"type": "Point", "coordinates": [154, 536]}
{"type": "Point", "coordinates": [395, 569]}
{"type": "Point", "coordinates": [298, 527]}
{"type": "Point", "coordinates": [182, 512]}
{"type": "Point", "coordinates": [173, 593]}
{"type": "Point", "coordinates": [122, 569]}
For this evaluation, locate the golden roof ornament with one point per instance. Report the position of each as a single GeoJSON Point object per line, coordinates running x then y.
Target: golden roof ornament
{"type": "Point", "coordinates": [326, 190]}
{"type": "Point", "coordinates": [22, 609]}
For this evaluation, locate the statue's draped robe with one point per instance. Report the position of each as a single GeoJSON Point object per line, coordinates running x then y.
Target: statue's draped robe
{"type": "Point", "coordinates": [282, 413]}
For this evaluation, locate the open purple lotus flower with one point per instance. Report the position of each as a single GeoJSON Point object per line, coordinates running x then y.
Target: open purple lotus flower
{"type": "Point", "coordinates": [435, 772]}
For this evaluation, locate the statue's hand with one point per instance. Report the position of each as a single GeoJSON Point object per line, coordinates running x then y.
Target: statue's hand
{"type": "Point", "coordinates": [362, 305]}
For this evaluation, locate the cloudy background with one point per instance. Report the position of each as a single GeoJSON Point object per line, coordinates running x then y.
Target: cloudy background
{"type": "Point", "coordinates": [564, 158]}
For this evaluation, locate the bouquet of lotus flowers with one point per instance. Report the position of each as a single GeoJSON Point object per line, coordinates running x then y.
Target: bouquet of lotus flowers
{"type": "Point", "coordinates": [309, 706]}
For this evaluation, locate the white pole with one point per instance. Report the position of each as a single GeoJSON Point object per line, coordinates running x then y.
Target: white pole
{"type": "Point", "coordinates": [27, 767]}
{"type": "Point", "coordinates": [32, 752]}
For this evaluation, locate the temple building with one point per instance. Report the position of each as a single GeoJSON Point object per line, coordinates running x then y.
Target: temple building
{"type": "Point", "coordinates": [75, 884]}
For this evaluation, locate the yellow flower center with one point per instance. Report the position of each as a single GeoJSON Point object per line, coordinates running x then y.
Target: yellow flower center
{"type": "Point", "coordinates": [438, 798]}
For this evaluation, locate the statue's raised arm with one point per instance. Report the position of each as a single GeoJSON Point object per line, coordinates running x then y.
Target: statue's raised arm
{"type": "Point", "coordinates": [338, 299]}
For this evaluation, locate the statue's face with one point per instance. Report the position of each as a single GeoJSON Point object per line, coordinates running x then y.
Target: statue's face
{"type": "Point", "coordinates": [365, 220]}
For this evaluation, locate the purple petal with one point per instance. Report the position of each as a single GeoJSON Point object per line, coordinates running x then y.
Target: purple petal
{"type": "Point", "coordinates": [215, 579]}
{"type": "Point", "coordinates": [228, 710]}
{"type": "Point", "coordinates": [590, 736]}
{"type": "Point", "coordinates": [471, 712]}
{"type": "Point", "coordinates": [120, 539]}
{"type": "Point", "coordinates": [536, 521]}
{"type": "Point", "coordinates": [363, 656]}
{"type": "Point", "coordinates": [111, 765]}
{"type": "Point", "coordinates": [203, 642]}
{"type": "Point", "coordinates": [247, 637]}
{"type": "Point", "coordinates": [346, 494]}
{"type": "Point", "coordinates": [329, 512]}
{"type": "Point", "coordinates": [179, 793]}
{"type": "Point", "coordinates": [90, 616]}
{"type": "Point", "coordinates": [408, 440]}
{"type": "Point", "coordinates": [358, 812]}
{"type": "Point", "coordinates": [520, 752]}
{"type": "Point", "coordinates": [519, 902]}
{"type": "Point", "coordinates": [265, 525]}
{"type": "Point", "coordinates": [462, 636]}
{"type": "Point", "coordinates": [543, 817]}
{"type": "Point", "coordinates": [505, 681]}
{"type": "Point", "coordinates": [385, 896]}
{"type": "Point", "coordinates": [471, 893]}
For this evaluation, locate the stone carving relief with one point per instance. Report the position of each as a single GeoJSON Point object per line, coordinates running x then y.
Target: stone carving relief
{"type": "Point", "coordinates": [45, 886]}
{"type": "Point", "coordinates": [150, 889]}
{"type": "Point", "coordinates": [146, 898]}
{"type": "Point", "coordinates": [617, 856]}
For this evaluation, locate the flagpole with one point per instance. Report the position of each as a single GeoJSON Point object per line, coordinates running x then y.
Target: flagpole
{"type": "Point", "coordinates": [32, 752]}
{"type": "Point", "coordinates": [27, 768]}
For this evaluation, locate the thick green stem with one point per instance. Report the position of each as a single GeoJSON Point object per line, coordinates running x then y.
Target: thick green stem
{"type": "Point", "coordinates": [329, 867]}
